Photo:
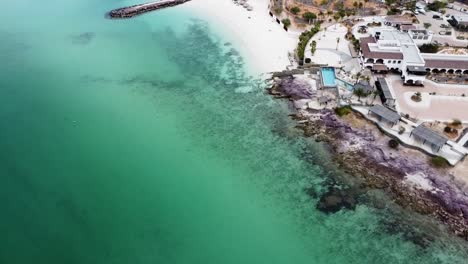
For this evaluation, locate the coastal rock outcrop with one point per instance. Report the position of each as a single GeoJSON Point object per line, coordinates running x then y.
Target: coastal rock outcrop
{"type": "Point", "coordinates": [373, 165]}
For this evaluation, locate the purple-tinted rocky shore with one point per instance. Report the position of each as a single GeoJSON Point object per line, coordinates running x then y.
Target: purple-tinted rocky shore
{"type": "Point", "coordinates": [361, 153]}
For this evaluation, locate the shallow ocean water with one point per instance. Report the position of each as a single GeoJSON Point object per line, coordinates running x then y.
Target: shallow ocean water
{"type": "Point", "coordinates": [148, 141]}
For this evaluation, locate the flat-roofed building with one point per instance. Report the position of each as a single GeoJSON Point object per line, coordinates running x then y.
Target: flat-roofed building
{"type": "Point", "coordinates": [386, 95]}
{"type": "Point", "coordinates": [428, 136]}
{"type": "Point", "coordinates": [385, 114]}
{"type": "Point", "coordinates": [420, 36]}
{"type": "Point", "coordinates": [397, 20]}
{"type": "Point", "coordinates": [393, 50]}
{"type": "Point", "coordinates": [389, 49]}
{"type": "Point", "coordinates": [441, 63]}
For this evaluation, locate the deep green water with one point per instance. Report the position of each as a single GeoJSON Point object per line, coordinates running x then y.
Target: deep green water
{"type": "Point", "coordinates": [148, 141]}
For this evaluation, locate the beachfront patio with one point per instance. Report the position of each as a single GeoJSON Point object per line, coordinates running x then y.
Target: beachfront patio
{"type": "Point", "coordinates": [331, 51]}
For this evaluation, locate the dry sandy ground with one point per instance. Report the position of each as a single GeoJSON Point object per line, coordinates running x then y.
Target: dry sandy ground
{"type": "Point", "coordinates": [446, 105]}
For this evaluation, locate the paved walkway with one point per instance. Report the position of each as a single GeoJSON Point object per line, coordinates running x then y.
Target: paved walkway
{"type": "Point", "coordinates": [451, 151]}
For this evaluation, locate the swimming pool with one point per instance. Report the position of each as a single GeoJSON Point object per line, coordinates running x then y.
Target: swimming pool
{"type": "Point", "coordinates": [328, 76]}
{"type": "Point", "coordinates": [347, 85]}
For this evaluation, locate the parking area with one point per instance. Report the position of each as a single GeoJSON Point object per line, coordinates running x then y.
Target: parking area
{"type": "Point", "coordinates": [441, 25]}
{"type": "Point", "coordinates": [436, 24]}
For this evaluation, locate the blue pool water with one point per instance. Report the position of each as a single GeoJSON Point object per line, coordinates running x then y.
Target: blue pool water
{"type": "Point", "coordinates": [328, 76]}
{"type": "Point", "coordinates": [347, 85]}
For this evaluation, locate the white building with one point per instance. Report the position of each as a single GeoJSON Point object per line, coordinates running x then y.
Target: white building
{"type": "Point", "coordinates": [421, 36]}
{"type": "Point", "coordinates": [389, 49]}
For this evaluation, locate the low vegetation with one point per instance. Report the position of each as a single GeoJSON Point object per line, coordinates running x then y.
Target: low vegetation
{"type": "Point", "coordinates": [286, 22]}
{"type": "Point", "coordinates": [439, 162]}
{"type": "Point", "coordinates": [436, 6]}
{"type": "Point", "coordinates": [304, 39]}
{"type": "Point", "coordinates": [429, 48]}
{"type": "Point", "coordinates": [456, 122]}
{"type": "Point", "coordinates": [392, 143]}
{"type": "Point", "coordinates": [343, 111]}
{"type": "Point", "coordinates": [359, 92]}
{"type": "Point", "coordinates": [313, 47]}
{"type": "Point", "coordinates": [295, 10]}
{"type": "Point", "coordinates": [417, 97]}
{"type": "Point", "coordinates": [393, 11]}
{"type": "Point", "coordinates": [309, 16]}
{"type": "Point", "coordinates": [401, 130]}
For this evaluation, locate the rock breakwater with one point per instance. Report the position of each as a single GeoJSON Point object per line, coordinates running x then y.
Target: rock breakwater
{"type": "Point", "coordinates": [135, 10]}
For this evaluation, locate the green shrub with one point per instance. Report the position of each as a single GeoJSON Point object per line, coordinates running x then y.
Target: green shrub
{"type": "Point", "coordinates": [401, 130]}
{"type": "Point", "coordinates": [344, 110]}
{"type": "Point", "coordinates": [313, 47]}
{"type": "Point", "coordinates": [304, 39]}
{"type": "Point", "coordinates": [429, 48]}
{"type": "Point", "coordinates": [295, 10]}
{"type": "Point", "coordinates": [439, 162]}
{"type": "Point", "coordinates": [456, 122]}
{"type": "Point", "coordinates": [392, 143]}
{"type": "Point", "coordinates": [278, 10]}
{"type": "Point", "coordinates": [286, 22]}
{"type": "Point", "coordinates": [309, 16]}
{"type": "Point", "coordinates": [436, 5]}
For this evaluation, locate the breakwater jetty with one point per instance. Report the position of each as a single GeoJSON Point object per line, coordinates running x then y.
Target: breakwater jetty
{"type": "Point", "coordinates": [135, 10]}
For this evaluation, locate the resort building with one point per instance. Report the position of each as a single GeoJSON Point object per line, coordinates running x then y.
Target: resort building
{"type": "Point", "coordinates": [389, 49]}
{"type": "Point", "coordinates": [397, 21]}
{"type": "Point", "coordinates": [445, 63]}
{"type": "Point", "coordinates": [386, 95]}
{"type": "Point", "coordinates": [385, 115]}
{"type": "Point", "coordinates": [420, 36]}
{"type": "Point", "coordinates": [427, 136]}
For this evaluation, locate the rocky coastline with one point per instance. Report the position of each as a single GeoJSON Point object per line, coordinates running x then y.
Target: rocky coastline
{"type": "Point", "coordinates": [135, 10]}
{"type": "Point", "coordinates": [362, 152]}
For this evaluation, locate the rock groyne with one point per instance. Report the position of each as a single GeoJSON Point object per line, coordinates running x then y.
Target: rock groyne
{"type": "Point", "coordinates": [135, 10]}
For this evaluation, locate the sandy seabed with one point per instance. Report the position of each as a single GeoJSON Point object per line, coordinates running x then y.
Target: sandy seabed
{"type": "Point", "coordinates": [255, 33]}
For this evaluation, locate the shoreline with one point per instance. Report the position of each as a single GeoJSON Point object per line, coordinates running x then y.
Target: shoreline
{"type": "Point", "coordinates": [405, 175]}
{"type": "Point", "coordinates": [260, 40]}
{"type": "Point", "coordinates": [361, 151]}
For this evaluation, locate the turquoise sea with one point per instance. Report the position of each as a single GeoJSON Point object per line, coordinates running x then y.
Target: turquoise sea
{"type": "Point", "coordinates": [149, 141]}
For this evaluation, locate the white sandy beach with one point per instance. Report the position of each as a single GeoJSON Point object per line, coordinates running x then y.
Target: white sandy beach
{"type": "Point", "coordinates": [263, 42]}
